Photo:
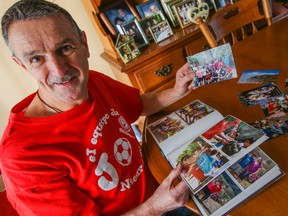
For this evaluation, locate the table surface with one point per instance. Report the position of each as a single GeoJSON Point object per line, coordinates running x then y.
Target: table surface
{"type": "Point", "coordinates": [267, 49]}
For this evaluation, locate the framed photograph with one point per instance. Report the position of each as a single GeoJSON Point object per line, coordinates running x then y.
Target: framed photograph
{"type": "Point", "coordinates": [116, 15]}
{"type": "Point", "coordinates": [181, 10]}
{"type": "Point", "coordinates": [168, 7]}
{"type": "Point", "coordinates": [127, 48]}
{"type": "Point", "coordinates": [133, 29]}
{"type": "Point", "coordinates": [148, 8]}
{"type": "Point", "coordinates": [218, 4]}
{"type": "Point", "coordinates": [125, 53]}
{"type": "Point", "coordinates": [150, 21]}
{"type": "Point", "coordinates": [161, 31]}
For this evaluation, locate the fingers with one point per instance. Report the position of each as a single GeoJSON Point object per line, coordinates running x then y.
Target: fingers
{"type": "Point", "coordinates": [180, 187]}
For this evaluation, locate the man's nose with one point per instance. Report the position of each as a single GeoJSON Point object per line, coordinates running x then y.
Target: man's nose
{"type": "Point", "coordinates": [58, 65]}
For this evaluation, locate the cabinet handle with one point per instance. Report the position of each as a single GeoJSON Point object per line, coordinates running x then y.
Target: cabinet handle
{"type": "Point", "coordinates": [164, 71]}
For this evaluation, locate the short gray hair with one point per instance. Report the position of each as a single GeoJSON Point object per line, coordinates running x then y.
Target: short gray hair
{"type": "Point", "coordinates": [34, 9]}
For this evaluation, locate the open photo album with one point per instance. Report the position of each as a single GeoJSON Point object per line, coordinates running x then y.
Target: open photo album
{"type": "Point", "coordinates": [222, 163]}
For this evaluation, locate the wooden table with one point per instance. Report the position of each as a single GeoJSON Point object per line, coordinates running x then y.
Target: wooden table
{"type": "Point", "coordinates": [267, 49]}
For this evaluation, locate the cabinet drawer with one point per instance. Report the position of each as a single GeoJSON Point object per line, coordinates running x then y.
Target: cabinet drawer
{"type": "Point", "coordinates": [197, 45]}
{"type": "Point", "coordinates": [147, 78]}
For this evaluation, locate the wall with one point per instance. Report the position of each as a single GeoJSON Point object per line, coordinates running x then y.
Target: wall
{"type": "Point", "coordinates": [15, 84]}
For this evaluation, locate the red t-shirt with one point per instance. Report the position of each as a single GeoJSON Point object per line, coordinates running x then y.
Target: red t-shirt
{"type": "Point", "coordinates": [85, 161]}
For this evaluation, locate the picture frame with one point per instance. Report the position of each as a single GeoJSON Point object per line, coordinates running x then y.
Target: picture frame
{"type": "Point", "coordinates": [218, 4]}
{"type": "Point", "coordinates": [126, 48]}
{"type": "Point", "coordinates": [181, 9]}
{"type": "Point", "coordinates": [134, 29]}
{"type": "Point", "coordinates": [150, 21]}
{"type": "Point", "coordinates": [161, 31]}
{"type": "Point", "coordinates": [168, 7]}
{"type": "Point", "coordinates": [148, 8]}
{"type": "Point", "coordinates": [117, 14]}
{"type": "Point", "coordinates": [125, 53]}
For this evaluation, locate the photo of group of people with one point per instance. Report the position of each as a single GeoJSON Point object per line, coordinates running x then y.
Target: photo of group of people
{"type": "Point", "coordinates": [255, 96]}
{"type": "Point", "coordinates": [200, 162]}
{"type": "Point", "coordinates": [194, 111]}
{"type": "Point", "coordinates": [178, 120]}
{"type": "Point", "coordinates": [181, 10]}
{"type": "Point", "coordinates": [166, 127]}
{"type": "Point", "coordinates": [213, 65]}
{"type": "Point", "coordinates": [273, 125]}
{"type": "Point", "coordinates": [151, 21]}
{"type": "Point", "coordinates": [230, 184]}
{"type": "Point", "coordinates": [274, 105]}
{"type": "Point", "coordinates": [161, 31]}
{"type": "Point", "coordinates": [133, 29]}
{"type": "Point", "coordinates": [232, 135]}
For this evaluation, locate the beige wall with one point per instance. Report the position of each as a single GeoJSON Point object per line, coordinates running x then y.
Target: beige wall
{"type": "Point", "coordinates": [15, 84]}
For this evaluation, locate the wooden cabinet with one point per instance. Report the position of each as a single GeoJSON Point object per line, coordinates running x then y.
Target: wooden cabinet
{"type": "Point", "coordinates": [142, 71]}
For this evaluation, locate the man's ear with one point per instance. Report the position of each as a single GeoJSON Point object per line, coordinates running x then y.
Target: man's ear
{"type": "Point", "coordinates": [15, 59]}
{"type": "Point", "coordinates": [84, 41]}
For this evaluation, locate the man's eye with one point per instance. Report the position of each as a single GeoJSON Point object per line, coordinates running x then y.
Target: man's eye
{"type": "Point", "coordinates": [35, 59]}
{"type": "Point", "coordinates": [67, 50]}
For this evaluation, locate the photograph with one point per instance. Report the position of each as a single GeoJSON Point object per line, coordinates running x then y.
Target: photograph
{"type": "Point", "coordinates": [273, 126]}
{"type": "Point", "coordinates": [168, 7]}
{"type": "Point", "coordinates": [254, 96]}
{"type": "Point", "coordinates": [201, 162]}
{"type": "Point", "coordinates": [117, 14]}
{"type": "Point", "coordinates": [148, 8]}
{"type": "Point", "coordinates": [134, 29]}
{"type": "Point", "coordinates": [125, 53]}
{"type": "Point", "coordinates": [181, 11]}
{"type": "Point", "coordinates": [194, 111]}
{"type": "Point", "coordinates": [258, 76]}
{"type": "Point", "coordinates": [274, 105]}
{"type": "Point", "coordinates": [251, 167]}
{"type": "Point", "coordinates": [166, 127]}
{"type": "Point", "coordinates": [150, 21]}
{"type": "Point", "coordinates": [161, 31]}
{"type": "Point", "coordinates": [134, 49]}
{"type": "Point", "coordinates": [218, 4]}
{"type": "Point", "coordinates": [122, 39]}
{"type": "Point", "coordinates": [232, 135]}
{"type": "Point", "coordinates": [127, 48]}
{"type": "Point", "coordinates": [213, 65]}
{"type": "Point", "coordinates": [217, 193]}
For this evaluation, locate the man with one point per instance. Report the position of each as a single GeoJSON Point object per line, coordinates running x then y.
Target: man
{"type": "Point", "coordinates": [123, 15]}
{"type": "Point", "coordinates": [61, 151]}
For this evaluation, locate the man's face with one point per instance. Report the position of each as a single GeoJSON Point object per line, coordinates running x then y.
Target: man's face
{"type": "Point", "coordinates": [153, 8]}
{"type": "Point", "coordinates": [50, 51]}
{"type": "Point", "coordinates": [121, 12]}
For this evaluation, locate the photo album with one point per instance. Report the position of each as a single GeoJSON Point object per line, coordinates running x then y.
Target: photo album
{"type": "Point", "coordinates": [222, 163]}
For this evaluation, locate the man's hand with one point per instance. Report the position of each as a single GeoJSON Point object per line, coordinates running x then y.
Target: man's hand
{"type": "Point", "coordinates": [184, 81]}
{"type": "Point", "coordinates": [166, 197]}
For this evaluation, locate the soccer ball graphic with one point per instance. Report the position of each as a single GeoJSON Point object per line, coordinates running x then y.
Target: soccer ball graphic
{"type": "Point", "coordinates": [123, 151]}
